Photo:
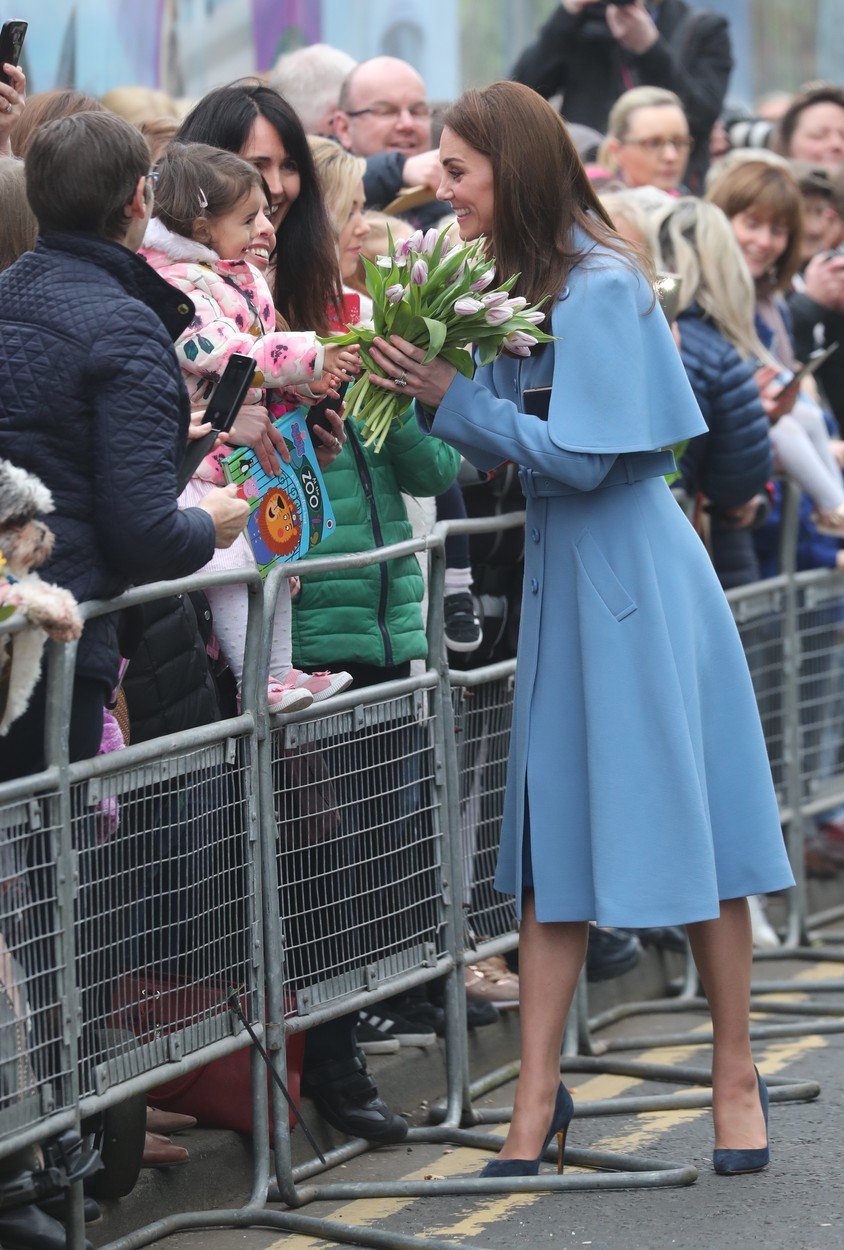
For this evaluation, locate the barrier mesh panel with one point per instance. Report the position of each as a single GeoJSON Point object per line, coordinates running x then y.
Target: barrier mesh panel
{"type": "Point", "coordinates": [34, 1057]}
{"type": "Point", "coordinates": [165, 910]}
{"type": "Point", "coordinates": [482, 718]}
{"type": "Point", "coordinates": [360, 848]}
{"type": "Point", "coordinates": [760, 619]}
{"type": "Point", "coordinates": [820, 656]}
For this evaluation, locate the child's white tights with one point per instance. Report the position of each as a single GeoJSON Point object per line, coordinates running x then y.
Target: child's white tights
{"type": "Point", "coordinates": [229, 604]}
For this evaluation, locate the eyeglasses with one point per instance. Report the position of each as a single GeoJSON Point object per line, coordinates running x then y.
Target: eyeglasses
{"type": "Point", "coordinates": [656, 145]}
{"type": "Point", "coordinates": [152, 178]}
{"type": "Point", "coordinates": [420, 112]}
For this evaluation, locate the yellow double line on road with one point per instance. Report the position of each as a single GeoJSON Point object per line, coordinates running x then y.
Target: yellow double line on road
{"type": "Point", "coordinates": [648, 1127]}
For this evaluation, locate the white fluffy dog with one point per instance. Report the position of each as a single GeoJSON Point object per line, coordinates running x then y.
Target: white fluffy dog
{"type": "Point", "coordinates": [25, 543]}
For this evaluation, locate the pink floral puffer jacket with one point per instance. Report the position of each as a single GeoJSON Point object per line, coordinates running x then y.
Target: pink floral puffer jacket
{"type": "Point", "coordinates": [233, 310]}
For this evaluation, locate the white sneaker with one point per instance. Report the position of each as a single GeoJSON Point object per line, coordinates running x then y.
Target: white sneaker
{"type": "Point", "coordinates": [285, 696]}
{"type": "Point", "coordinates": [322, 685]}
{"type": "Point", "coordinates": [764, 935]}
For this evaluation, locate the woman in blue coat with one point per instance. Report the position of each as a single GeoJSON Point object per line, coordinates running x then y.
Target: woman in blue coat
{"type": "Point", "coordinates": [639, 792]}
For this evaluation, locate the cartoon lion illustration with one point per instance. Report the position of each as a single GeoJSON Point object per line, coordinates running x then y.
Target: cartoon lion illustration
{"type": "Point", "coordinates": [279, 522]}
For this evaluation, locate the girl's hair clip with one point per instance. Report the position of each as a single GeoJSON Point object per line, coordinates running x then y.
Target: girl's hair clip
{"type": "Point", "coordinates": [203, 201]}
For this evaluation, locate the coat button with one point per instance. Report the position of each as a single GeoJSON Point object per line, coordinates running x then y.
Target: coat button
{"type": "Point", "coordinates": [565, 293]}
{"type": "Point", "coordinates": [184, 309]}
{"type": "Point", "coordinates": [534, 533]}
{"type": "Point", "coordinates": [534, 586]}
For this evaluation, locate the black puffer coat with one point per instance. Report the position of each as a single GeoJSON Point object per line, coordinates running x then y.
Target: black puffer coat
{"type": "Point", "coordinates": [92, 401]}
{"type": "Point", "coordinates": [168, 684]}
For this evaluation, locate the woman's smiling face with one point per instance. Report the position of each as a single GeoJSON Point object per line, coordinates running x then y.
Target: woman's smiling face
{"type": "Point", "coordinates": [265, 150]}
{"type": "Point", "coordinates": [467, 182]}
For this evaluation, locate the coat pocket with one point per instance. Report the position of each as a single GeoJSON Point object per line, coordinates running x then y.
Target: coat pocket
{"type": "Point", "coordinates": [599, 571]}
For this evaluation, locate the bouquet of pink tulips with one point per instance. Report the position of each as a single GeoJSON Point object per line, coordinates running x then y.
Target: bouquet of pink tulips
{"type": "Point", "coordinates": [438, 297]}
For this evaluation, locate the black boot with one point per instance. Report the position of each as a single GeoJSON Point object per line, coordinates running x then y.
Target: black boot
{"type": "Point", "coordinates": [346, 1096]}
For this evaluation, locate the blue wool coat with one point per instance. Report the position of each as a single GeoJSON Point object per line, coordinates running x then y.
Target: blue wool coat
{"type": "Point", "coordinates": [638, 768]}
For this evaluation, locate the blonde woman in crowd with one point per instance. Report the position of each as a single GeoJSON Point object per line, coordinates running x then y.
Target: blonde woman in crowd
{"type": "Point", "coordinates": [647, 141]}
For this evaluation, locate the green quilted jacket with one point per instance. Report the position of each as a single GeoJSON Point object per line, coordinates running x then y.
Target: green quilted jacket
{"type": "Point", "coordinates": [371, 615]}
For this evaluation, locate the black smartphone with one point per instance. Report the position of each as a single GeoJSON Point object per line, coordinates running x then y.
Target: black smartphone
{"type": "Point", "coordinates": [222, 410]}
{"type": "Point", "coordinates": [12, 35]}
{"type": "Point", "coordinates": [316, 415]}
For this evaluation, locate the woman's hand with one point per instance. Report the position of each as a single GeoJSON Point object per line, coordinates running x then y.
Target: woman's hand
{"type": "Point", "coordinates": [406, 373]}
{"type": "Point", "coordinates": [824, 278]}
{"type": "Point", "coordinates": [329, 442]}
{"type": "Point", "coordinates": [776, 400]}
{"type": "Point", "coordinates": [12, 100]}
{"type": "Point", "coordinates": [253, 428]}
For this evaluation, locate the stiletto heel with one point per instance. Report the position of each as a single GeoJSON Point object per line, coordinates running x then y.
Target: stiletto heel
{"type": "Point", "coordinates": [560, 1121]}
{"type": "Point", "coordinates": [737, 1162]}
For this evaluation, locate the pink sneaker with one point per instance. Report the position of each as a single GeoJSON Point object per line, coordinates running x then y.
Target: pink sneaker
{"type": "Point", "coordinates": [286, 696]}
{"type": "Point", "coordinates": [320, 685]}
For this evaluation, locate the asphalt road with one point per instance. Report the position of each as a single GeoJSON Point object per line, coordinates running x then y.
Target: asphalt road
{"type": "Point", "coordinates": [797, 1204]}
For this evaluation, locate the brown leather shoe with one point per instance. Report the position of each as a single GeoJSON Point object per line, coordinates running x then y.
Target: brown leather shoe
{"type": "Point", "coordinates": [168, 1122]}
{"type": "Point", "coordinates": [159, 1152]}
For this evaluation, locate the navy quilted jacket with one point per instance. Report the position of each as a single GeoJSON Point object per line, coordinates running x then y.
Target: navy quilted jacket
{"type": "Point", "coordinates": [733, 462]}
{"type": "Point", "coordinates": [92, 401]}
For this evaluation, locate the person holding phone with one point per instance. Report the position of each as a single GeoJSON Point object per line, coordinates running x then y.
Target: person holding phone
{"type": "Point", "coordinates": [639, 792]}
{"type": "Point", "coordinates": [107, 332]}
{"type": "Point", "coordinates": [207, 219]}
{"type": "Point", "coordinates": [590, 52]}
{"type": "Point", "coordinates": [762, 201]}
{"type": "Point", "coordinates": [12, 100]}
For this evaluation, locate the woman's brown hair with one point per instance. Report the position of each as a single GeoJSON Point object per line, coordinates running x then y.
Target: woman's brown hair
{"type": "Point", "coordinates": [46, 107]}
{"type": "Point", "coordinates": [18, 227]}
{"type": "Point", "coordinates": [541, 190]}
{"type": "Point", "coordinates": [771, 193]}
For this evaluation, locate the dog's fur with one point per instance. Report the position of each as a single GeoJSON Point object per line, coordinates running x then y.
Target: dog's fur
{"type": "Point", "coordinates": [25, 543]}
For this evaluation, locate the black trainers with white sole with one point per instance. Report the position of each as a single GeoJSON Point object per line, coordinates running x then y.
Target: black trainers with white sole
{"type": "Point", "coordinates": [375, 1039]}
{"type": "Point", "coordinates": [389, 1024]}
{"type": "Point", "coordinates": [462, 627]}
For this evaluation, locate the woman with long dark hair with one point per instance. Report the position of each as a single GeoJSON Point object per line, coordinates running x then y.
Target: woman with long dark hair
{"type": "Point", "coordinates": [639, 791]}
{"type": "Point", "coordinates": [257, 123]}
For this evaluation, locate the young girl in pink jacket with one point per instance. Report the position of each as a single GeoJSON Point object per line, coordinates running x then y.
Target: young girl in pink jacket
{"type": "Point", "coordinates": [208, 217]}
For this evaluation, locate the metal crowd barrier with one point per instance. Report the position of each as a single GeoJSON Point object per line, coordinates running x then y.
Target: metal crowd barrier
{"type": "Point", "coordinates": [331, 858]}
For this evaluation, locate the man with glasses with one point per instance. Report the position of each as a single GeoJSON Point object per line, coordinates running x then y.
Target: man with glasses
{"type": "Point", "coordinates": [590, 52]}
{"type": "Point", "coordinates": [384, 116]}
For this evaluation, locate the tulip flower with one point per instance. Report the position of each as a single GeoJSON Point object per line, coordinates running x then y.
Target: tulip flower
{"type": "Point", "coordinates": [435, 299]}
{"type": "Point", "coordinates": [481, 284]}
{"type": "Point", "coordinates": [518, 338]}
{"type": "Point", "coordinates": [467, 307]}
{"type": "Point", "coordinates": [515, 349]}
{"type": "Point", "coordinates": [498, 316]}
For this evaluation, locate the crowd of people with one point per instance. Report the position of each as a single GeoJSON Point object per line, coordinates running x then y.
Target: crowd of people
{"type": "Point", "coordinates": [140, 249]}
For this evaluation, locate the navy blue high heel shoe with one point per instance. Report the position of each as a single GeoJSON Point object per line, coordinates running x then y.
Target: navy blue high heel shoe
{"type": "Point", "coordinates": [560, 1121]}
{"type": "Point", "coordinates": [735, 1162]}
